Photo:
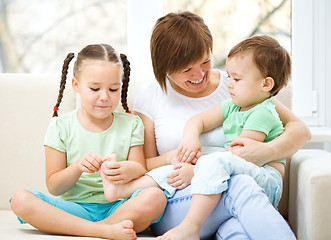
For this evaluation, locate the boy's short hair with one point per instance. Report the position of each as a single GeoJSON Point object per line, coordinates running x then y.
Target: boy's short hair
{"type": "Point", "coordinates": [178, 40]}
{"type": "Point", "coordinates": [269, 56]}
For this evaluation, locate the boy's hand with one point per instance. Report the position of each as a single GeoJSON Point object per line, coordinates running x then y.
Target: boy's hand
{"type": "Point", "coordinates": [89, 163]}
{"type": "Point", "coordinates": [117, 172]}
{"type": "Point", "coordinates": [181, 176]}
{"type": "Point", "coordinates": [187, 150]}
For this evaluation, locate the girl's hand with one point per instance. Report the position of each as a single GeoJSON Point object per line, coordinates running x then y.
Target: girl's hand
{"type": "Point", "coordinates": [118, 172]}
{"type": "Point", "coordinates": [181, 176]}
{"type": "Point", "coordinates": [89, 163]}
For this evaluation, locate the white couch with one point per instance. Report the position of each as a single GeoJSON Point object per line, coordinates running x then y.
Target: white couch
{"type": "Point", "coordinates": [26, 108]}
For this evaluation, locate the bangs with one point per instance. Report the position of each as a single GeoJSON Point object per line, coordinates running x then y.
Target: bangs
{"type": "Point", "coordinates": [188, 48]}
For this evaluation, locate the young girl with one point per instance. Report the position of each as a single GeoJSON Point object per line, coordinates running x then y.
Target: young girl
{"type": "Point", "coordinates": [78, 143]}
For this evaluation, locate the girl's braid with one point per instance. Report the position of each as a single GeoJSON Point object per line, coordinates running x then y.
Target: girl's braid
{"type": "Point", "coordinates": [125, 84]}
{"type": "Point", "coordinates": [65, 67]}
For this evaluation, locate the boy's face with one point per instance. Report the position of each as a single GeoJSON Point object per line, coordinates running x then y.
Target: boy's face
{"type": "Point", "coordinates": [245, 82]}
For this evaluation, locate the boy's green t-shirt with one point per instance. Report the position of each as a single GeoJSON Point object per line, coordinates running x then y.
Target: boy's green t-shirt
{"type": "Point", "coordinates": [263, 118]}
{"type": "Point", "coordinates": [65, 134]}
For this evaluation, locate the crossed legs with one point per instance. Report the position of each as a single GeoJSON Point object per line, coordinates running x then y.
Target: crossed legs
{"type": "Point", "coordinates": [31, 209]}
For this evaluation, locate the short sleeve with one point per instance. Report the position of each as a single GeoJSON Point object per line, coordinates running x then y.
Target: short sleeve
{"type": "Point", "coordinates": [145, 100]}
{"type": "Point", "coordinates": [54, 137]}
{"type": "Point", "coordinates": [137, 137]}
{"type": "Point", "coordinates": [262, 120]}
{"type": "Point", "coordinates": [226, 107]}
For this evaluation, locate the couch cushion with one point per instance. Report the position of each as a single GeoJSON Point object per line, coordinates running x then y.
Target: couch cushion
{"type": "Point", "coordinates": [26, 108]}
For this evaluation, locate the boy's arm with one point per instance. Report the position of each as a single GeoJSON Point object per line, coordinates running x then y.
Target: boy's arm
{"type": "Point", "coordinates": [295, 135]}
{"type": "Point", "coordinates": [196, 125]}
{"type": "Point", "coordinates": [254, 135]}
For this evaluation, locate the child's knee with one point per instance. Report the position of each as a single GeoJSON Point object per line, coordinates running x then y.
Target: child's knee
{"type": "Point", "coordinates": [19, 201]}
{"type": "Point", "coordinates": [152, 200]}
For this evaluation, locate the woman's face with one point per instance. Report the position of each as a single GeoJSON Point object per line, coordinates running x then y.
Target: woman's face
{"type": "Point", "coordinates": [194, 78]}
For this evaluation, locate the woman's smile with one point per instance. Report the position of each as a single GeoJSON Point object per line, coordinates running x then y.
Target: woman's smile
{"type": "Point", "coordinates": [197, 83]}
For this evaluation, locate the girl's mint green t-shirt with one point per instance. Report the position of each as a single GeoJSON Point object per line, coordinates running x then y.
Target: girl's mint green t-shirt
{"type": "Point", "coordinates": [65, 134]}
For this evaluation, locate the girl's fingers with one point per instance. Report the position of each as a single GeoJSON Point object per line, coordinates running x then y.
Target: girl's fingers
{"type": "Point", "coordinates": [116, 178]}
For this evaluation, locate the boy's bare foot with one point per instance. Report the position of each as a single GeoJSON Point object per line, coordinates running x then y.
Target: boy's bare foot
{"type": "Point", "coordinates": [187, 230]}
{"type": "Point", "coordinates": [121, 230]}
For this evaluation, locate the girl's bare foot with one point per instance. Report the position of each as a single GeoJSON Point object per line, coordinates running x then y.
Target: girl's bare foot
{"type": "Point", "coordinates": [112, 191]}
{"type": "Point", "coordinates": [121, 230]}
{"type": "Point", "coordinates": [187, 230]}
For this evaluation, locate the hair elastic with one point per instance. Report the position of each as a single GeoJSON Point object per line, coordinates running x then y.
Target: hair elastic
{"type": "Point", "coordinates": [128, 111]}
{"type": "Point", "coordinates": [55, 109]}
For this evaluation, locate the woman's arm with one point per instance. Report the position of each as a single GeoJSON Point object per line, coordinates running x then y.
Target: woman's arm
{"type": "Point", "coordinates": [295, 135]}
{"type": "Point", "coordinates": [153, 160]}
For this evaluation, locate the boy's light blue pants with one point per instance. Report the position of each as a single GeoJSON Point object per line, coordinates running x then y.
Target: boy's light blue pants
{"type": "Point", "coordinates": [212, 172]}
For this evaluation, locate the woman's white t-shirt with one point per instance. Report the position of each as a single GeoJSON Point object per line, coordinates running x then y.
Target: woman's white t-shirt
{"type": "Point", "coordinates": [170, 112]}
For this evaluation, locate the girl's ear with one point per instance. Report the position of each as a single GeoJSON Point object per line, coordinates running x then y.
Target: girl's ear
{"type": "Point", "coordinates": [268, 84]}
{"type": "Point", "coordinates": [74, 83]}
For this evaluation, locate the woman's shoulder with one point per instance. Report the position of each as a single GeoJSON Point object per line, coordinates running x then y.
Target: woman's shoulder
{"type": "Point", "coordinates": [148, 99]}
{"type": "Point", "coordinates": [149, 86]}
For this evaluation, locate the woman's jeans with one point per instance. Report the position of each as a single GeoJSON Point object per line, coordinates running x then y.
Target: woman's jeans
{"type": "Point", "coordinates": [244, 212]}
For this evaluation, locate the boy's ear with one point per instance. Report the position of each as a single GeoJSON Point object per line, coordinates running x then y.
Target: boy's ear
{"type": "Point", "coordinates": [268, 84]}
{"type": "Point", "coordinates": [74, 83]}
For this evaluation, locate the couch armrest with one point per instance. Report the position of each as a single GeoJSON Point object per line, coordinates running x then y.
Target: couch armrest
{"type": "Point", "coordinates": [310, 195]}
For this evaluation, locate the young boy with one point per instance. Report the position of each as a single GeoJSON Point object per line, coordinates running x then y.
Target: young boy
{"type": "Point", "coordinates": [258, 68]}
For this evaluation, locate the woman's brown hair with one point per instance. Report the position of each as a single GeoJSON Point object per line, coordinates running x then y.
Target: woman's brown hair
{"type": "Point", "coordinates": [269, 56]}
{"type": "Point", "coordinates": [178, 40]}
{"type": "Point", "coordinates": [95, 52]}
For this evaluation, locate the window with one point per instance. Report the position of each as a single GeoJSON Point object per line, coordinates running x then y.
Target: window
{"type": "Point", "coordinates": [231, 21]}
{"type": "Point", "coordinates": [37, 35]}
{"type": "Point", "coordinates": [311, 38]}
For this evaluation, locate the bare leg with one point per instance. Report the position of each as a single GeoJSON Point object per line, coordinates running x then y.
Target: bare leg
{"type": "Point", "coordinates": [146, 207]}
{"type": "Point", "coordinates": [31, 209]}
{"type": "Point", "coordinates": [114, 192]}
{"type": "Point", "coordinates": [189, 229]}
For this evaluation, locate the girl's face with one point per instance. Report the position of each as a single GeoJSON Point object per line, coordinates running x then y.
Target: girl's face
{"type": "Point", "coordinates": [246, 82]}
{"type": "Point", "coordinates": [99, 86]}
{"type": "Point", "coordinates": [194, 78]}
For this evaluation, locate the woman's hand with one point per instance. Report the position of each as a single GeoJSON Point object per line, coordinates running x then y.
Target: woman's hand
{"type": "Point", "coordinates": [181, 176]}
{"type": "Point", "coordinates": [89, 163]}
{"type": "Point", "coordinates": [252, 151]}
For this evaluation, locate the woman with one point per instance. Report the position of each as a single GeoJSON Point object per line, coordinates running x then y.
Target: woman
{"type": "Point", "coordinates": [181, 48]}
